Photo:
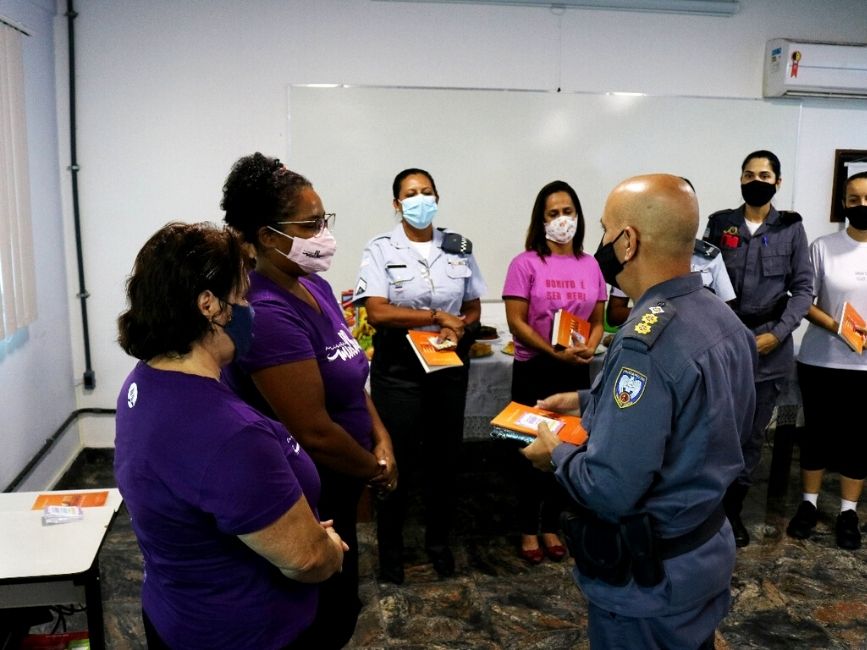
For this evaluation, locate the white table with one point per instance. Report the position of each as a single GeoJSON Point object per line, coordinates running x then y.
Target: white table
{"type": "Point", "coordinates": [54, 565]}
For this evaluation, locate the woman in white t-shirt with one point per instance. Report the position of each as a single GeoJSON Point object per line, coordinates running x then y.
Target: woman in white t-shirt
{"type": "Point", "coordinates": [831, 374]}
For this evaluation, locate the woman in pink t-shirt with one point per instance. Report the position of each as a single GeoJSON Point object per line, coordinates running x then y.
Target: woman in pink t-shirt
{"type": "Point", "coordinates": [552, 273]}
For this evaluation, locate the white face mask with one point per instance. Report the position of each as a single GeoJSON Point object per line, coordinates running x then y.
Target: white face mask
{"type": "Point", "coordinates": [562, 229]}
{"type": "Point", "coordinates": [311, 255]}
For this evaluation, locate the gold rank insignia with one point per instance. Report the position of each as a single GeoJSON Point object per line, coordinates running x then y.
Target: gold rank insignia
{"type": "Point", "coordinates": [644, 326]}
{"type": "Point", "coordinates": [731, 230]}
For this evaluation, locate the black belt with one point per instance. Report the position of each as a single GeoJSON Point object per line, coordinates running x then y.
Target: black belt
{"type": "Point", "coordinates": [674, 546]}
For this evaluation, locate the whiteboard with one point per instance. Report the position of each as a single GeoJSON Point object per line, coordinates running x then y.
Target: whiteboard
{"type": "Point", "coordinates": [491, 151]}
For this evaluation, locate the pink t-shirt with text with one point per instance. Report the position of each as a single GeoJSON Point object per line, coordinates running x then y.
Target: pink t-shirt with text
{"type": "Point", "coordinates": [551, 283]}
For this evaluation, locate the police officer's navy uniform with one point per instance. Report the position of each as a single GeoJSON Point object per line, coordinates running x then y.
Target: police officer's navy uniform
{"type": "Point", "coordinates": [772, 276]}
{"type": "Point", "coordinates": [665, 417]}
{"type": "Point", "coordinates": [422, 412]}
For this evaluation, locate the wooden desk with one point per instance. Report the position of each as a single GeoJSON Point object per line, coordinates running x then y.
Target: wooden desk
{"type": "Point", "coordinates": [54, 565]}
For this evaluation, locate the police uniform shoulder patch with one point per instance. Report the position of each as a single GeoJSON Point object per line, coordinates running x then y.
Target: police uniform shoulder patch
{"type": "Point", "coordinates": [455, 243]}
{"type": "Point", "coordinates": [360, 288]}
{"type": "Point", "coordinates": [628, 387]}
{"type": "Point", "coordinates": [787, 217]}
{"type": "Point", "coordinates": [705, 249]}
{"type": "Point", "coordinates": [649, 325]}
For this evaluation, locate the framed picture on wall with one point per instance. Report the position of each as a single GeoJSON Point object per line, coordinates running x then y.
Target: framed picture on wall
{"type": "Point", "coordinates": [846, 163]}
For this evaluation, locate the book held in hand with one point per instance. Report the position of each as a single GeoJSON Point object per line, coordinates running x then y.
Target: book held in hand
{"type": "Point", "coordinates": [521, 422]}
{"type": "Point", "coordinates": [569, 330]}
{"type": "Point", "coordinates": [849, 319]}
{"type": "Point", "coordinates": [423, 343]}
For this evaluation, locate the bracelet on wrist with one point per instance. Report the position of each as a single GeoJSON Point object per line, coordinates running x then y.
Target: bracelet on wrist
{"type": "Point", "coordinates": [433, 315]}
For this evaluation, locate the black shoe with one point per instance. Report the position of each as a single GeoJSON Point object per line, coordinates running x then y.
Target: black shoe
{"type": "Point", "coordinates": [848, 535]}
{"type": "Point", "coordinates": [442, 559]}
{"type": "Point", "coordinates": [803, 522]}
{"type": "Point", "coordinates": [742, 535]}
{"type": "Point", "coordinates": [391, 567]}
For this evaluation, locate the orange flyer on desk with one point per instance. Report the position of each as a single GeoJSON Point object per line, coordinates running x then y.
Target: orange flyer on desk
{"type": "Point", "coordinates": [80, 499]}
{"type": "Point", "coordinates": [431, 359]}
{"type": "Point", "coordinates": [569, 330]}
{"type": "Point", "coordinates": [526, 419]}
{"type": "Point", "coordinates": [849, 319]}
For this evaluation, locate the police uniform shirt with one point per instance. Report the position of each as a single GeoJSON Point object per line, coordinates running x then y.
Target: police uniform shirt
{"type": "Point", "coordinates": [665, 418]}
{"type": "Point", "coordinates": [391, 268]}
{"type": "Point", "coordinates": [764, 267]}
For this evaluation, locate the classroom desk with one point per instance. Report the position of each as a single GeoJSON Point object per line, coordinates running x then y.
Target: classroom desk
{"type": "Point", "coordinates": [54, 565]}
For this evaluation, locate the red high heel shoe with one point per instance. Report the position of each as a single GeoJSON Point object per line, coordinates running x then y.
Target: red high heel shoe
{"type": "Point", "coordinates": [531, 555]}
{"type": "Point", "coordinates": [555, 553]}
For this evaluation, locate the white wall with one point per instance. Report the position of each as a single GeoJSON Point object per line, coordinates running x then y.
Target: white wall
{"type": "Point", "coordinates": [171, 92]}
{"type": "Point", "coordinates": [36, 381]}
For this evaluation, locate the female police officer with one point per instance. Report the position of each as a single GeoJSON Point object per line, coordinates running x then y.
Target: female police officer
{"type": "Point", "coordinates": [418, 277]}
{"type": "Point", "coordinates": [765, 252]}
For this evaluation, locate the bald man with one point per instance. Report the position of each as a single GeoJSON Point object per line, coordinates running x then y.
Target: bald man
{"type": "Point", "coordinates": [654, 552]}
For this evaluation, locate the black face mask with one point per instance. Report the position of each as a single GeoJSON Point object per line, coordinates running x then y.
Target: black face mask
{"type": "Point", "coordinates": [758, 193]}
{"type": "Point", "coordinates": [608, 262]}
{"type": "Point", "coordinates": [857, 216]}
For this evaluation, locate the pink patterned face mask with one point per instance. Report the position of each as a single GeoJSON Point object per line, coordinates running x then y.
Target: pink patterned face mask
{"type": "Point", "coordinates": [312, 255]}
{"type": "Point", "coordinates": [561, 230]}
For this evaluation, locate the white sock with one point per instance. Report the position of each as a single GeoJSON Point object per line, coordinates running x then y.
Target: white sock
{"type": "Point", "coordinates": [812, 498]}
{"type": "Point", "coordinates": [848, 505]}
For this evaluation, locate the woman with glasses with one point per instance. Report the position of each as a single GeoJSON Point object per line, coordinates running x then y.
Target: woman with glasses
{"type": "Point", "coordinates": [419, 277]}
{"type": "Point", "coordinates": [304, 366]}
{"type": "Point", "coordinates": [222, 498]}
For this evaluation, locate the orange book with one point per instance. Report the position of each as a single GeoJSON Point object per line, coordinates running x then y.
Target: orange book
{"type": "Point", "coordinates": [431, 358]}
{"type": "Point", "coordinates": [849, 319]}
{"type": "Point", "coordinates": [569, 330]}
{"type": "Point", "coordinates": [525, 420]}
{"type": "Point", "coordinates": [80, 499]}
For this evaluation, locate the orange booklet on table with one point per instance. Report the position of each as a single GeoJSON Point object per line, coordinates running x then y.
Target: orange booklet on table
{"type": "Point", "coordinates": [569, 330]}
{"type": "Point", "coordinates": [849, 318]}
{"type": "Point", "coordinates": [521, 422]}
{"type": "Point", "coordinates": [80, 499]}
{"type": "Point", "coordinates": [431, 358]}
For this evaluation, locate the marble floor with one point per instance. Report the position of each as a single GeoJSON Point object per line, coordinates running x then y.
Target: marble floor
{"type": "Point", "coordinates": [786, 593]}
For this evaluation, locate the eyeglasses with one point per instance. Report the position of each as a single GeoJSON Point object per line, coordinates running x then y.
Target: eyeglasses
{"type": "Point", "coordinates": [318, 224]}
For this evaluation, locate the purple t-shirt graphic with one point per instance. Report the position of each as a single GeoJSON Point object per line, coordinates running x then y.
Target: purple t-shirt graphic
{"type": "Point", "coordinates": [287, 329]}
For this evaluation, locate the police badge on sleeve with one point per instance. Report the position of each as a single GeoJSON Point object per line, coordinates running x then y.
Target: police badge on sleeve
{"type": "Point", "coordinates": [628, 387]}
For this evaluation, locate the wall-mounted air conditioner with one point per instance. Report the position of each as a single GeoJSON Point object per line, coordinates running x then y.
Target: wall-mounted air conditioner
{"type": "Point", "coordinates": [808, 69]}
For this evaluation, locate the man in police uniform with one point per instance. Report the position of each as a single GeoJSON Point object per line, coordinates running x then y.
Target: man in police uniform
{"type": "Point", "coordinates": [664, 418]}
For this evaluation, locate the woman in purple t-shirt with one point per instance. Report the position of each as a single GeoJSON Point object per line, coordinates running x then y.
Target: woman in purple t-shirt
{"type": "Point", "coordinates": [304, 366]}
{"type": "Point", "coordinates": [222, 499]}
{"type": "Point", "coordinates": [552, 273]}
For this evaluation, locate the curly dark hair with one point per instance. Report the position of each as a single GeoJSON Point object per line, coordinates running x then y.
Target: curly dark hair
{"type": "Point", "coordinates": [536, 240]}
{"type": "Point", "coordinates": [259, 191]}
{"type": "Point", "coordinates": [172, 269]}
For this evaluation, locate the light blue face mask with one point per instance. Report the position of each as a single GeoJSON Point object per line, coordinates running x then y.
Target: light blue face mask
{"type": "Point", "coordinates": [419, 210]}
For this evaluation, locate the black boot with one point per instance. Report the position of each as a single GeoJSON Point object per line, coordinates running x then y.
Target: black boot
{"type": "Point", "coordinates": [733, 502]}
